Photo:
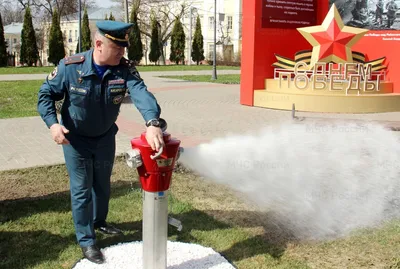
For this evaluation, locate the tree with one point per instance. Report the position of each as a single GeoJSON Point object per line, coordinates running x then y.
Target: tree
{"type": "Point", "coordinates": [198, 46]}
{"type": "Point", "coordinates": [224, 33]}
{"type": "Point", "coordinates": [40, 41]}
{"type": "Point", "coordinates": [111, 18]}
{"type": "Point", "coordinates": [3, 46]}
{"type": "Point", "coordinates": [177, 42]}
{"type": "Point", "coordinates": [56, 42]}
{"type": "Point", "coordinates": [11, 13]}
{"type": "Point", "coordinates": [105, 18]}
{"type": "Point", "coordinates": [165, 13]}
{"type": "Point", "coordinates": [155, 43]}
{"type": "Point", "coordinates": [135, 50]}
{"type": "Point", "coordinates": [29, 52]}
{"type": "Point", "coordinates": [86, 37]}
{"type": "Point", "coordinates": [46, 8]}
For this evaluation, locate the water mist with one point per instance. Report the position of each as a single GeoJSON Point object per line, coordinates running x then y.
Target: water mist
{"type": "Point", "coordinates": [323, 180]}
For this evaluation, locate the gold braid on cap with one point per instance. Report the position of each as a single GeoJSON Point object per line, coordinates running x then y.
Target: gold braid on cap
{"type": "Point", "coordinates": [116, 39]}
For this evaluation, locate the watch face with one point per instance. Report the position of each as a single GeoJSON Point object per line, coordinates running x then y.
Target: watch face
{"type": "Point", "coordinates": [155, 123]}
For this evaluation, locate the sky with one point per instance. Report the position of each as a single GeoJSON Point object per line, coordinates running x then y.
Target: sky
{"type": "Point", "coordinates": [104, 3]}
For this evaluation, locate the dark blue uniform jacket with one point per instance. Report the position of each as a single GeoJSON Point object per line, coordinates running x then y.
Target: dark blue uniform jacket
{"type": "Point", "coordinates": [91, 105]}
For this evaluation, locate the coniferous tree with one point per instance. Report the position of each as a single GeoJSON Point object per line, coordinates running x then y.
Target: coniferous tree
{"type": "Point", "coordinates": [177, 42]}
{"type": "Point", "coordinates": [77, 47]}
{"type": "Point", "coordinates": [106, 17]}
{"type": "Point", "coordinates": [198, 46]}
{"type": "Point", "coordinates": [3, 46]}
{"type": "Point", "coordinates": [86, 37]}
{"type": "Point", "coordinates": [56, 44]}
{"type": "Point", "coordinates": [135, 50]}
{"type": "Point", "coordinates": [155, 52]}
{"type": "Point", "coordinates": [29, 52]}
{"type": "Point", "coordinates": [111, 18]}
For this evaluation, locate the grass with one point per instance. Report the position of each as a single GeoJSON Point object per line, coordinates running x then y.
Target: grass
{"type": "Point", "coordinates": [48, 69]}
{"type": "Point", "coordinates": [36, 229]}
{"type": "Point", "coordinates": [19, 98]}
{"type": "Point", "coordinates": [25, 70]}
{"type": "Point", "coordinates": [223, 79]}
{"type": "Point", "coordinates": [183, 68]}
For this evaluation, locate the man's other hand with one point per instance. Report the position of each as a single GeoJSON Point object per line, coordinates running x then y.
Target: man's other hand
{"type": "Point", "coordinates": [154, 137]}
{"type": "Point", "coordinates": [57, 132]}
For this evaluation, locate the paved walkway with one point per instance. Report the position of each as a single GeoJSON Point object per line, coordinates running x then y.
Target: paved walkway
{"type": "Point", "coordinates": [145, 75]}
{"type": "Point", "coordinates": [195, 112]}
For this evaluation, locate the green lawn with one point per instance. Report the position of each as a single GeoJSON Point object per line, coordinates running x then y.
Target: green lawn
{"type": "Point", "coordinates": [36, 229]}
{"type": "Point", "coordinates": [224, 79]}
{"type": "Point", "coordinates": [25, 70]}
{"type": "Point", "coordinates": [48, 69]}
{"type": "Point", "coordinates": [19, 98]}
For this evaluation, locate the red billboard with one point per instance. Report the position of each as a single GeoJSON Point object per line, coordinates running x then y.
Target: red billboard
{"type": "Point", "coordinates": [289, 13]}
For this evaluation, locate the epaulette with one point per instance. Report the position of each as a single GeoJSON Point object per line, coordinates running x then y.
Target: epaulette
{"type": "Point", "coordinates": [127, 62]}
{"type": "Point", "coordinates": [131, 66]}
{"type": "Point", "coordinates": [74, 59]}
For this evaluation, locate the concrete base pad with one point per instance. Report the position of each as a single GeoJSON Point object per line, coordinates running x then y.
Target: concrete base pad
{"type": "Point", "coordinates": [179, 256]}
{"type": "Point", "coordinates": [334, 103]}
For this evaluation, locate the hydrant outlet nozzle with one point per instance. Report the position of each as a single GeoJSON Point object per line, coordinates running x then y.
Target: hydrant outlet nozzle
{"type": "Point", "coordinates": [133, 158]}
{"type": "Point", "coordinates": [180, 151]}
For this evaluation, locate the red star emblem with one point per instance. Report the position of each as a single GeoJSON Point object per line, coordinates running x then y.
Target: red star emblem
{"type": "Point", "coordinates": [332, 41]}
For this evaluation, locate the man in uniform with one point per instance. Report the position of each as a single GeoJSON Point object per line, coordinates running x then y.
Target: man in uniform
{"type": "Point", "coordinates": [93, 85]}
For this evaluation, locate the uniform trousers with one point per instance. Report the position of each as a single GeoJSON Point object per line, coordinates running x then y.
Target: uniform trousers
{"type": "Point", "coordinates": [89, 162]}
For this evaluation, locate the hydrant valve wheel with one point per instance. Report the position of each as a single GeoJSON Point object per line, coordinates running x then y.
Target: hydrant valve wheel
{"type": "Point", "coordinates": [158, 154]}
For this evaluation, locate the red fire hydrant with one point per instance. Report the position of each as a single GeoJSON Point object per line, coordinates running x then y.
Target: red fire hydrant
{"type": "Point", "coordinates": [155, 171]}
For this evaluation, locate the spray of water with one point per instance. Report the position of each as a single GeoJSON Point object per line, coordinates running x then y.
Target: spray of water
{"type": "Point", "coordinates": [323, 180]}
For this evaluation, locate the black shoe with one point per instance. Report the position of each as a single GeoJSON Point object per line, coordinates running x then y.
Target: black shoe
{"type": "Point", "coordinates": [108, 229]}
{"type": "Point", "coordinates": [93, 254]}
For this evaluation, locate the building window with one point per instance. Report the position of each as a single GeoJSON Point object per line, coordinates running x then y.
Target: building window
{"type": "Point", "coordinates": [211, 51]}
{"type": "Point", "coordinates": [76, 35]}
{"type": "Point", "coordinates": [70, 52]}
{"type": "Point", "coordinates": [229, 22]}
{"type": "Point", "coordinates": [15, 41]}
{"type": "Point", "coordinates": [211, 22]}
{"type": "Point", "coordinates": [65, 34]}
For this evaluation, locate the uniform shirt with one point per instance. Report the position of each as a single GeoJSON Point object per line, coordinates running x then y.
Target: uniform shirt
{"type": "Point", "coordinates": [91, 103]}
{"type": "Point", "coordinates": [100, 69]}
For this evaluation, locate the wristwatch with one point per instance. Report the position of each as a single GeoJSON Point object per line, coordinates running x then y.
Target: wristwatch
{"type": "Point", "coordinates": [161, 123]}
{"type": "Point", "coordinates": [153, 122]}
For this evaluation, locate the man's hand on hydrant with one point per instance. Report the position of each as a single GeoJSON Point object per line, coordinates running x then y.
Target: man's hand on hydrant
{"type": "Point", "coordinates": [154, 137]}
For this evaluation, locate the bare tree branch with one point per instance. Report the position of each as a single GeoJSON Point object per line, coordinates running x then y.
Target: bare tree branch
{"type": "Point", "coordinates": [46, 8]}
{"type": "Point", "coordinates": [11, 12]}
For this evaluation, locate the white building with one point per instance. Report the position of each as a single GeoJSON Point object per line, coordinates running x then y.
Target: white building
{"type": "Point", "coordinates": [229, 27]}
{"type": "Point", "coordinates": [229, 30]}
{"type": "Point", "coordinates": [69, 27]}
{"type": "Point", "coordinates": [12, 36]}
